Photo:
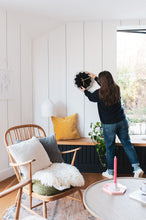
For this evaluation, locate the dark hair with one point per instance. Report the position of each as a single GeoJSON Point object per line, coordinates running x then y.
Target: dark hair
{"type": "Point", "coordinates": [109, 91]}
{"type": "Point", "coordinates": [82, 79]}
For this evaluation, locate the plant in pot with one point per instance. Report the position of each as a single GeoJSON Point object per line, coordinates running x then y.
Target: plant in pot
{"type": "Point", "coordinates": [96, 135]}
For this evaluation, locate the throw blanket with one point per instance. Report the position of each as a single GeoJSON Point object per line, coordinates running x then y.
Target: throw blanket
{"type": "Point", "coordinates": [60, 175]}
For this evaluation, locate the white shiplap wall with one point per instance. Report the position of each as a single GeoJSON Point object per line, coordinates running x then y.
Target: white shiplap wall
{"type": "Point", "coordinates": [74, 47]}
{"type": "Point", "coordinates": [75, 63]}
{"type": "Point", "coordinates": [15, 56]}
{"type": "Point", "coordinates": [93, 64]}
{"type": "Point", "coordinates": [40, 79]}
{"type": "Point", "coordinates": [3, 102]}
{"type": "Point", "coordinates": [57, 68]}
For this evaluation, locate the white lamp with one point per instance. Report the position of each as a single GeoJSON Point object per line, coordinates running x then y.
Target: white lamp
{"type": "Point", "coordinates": [47, 108]}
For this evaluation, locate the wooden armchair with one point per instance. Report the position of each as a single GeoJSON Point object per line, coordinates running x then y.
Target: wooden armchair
{"type": "Point", "coordinates": [24, 132]}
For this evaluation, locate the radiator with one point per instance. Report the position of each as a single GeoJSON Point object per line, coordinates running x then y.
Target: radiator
{"type": "Point", "coordinates": [87, 160]}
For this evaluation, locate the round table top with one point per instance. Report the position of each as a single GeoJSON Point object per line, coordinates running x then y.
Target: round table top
{"type": "Point", "coordinates": [115, 207]}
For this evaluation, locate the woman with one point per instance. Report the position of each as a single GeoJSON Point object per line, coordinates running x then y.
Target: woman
{"type": "Point", "coordinates": [114, 121]}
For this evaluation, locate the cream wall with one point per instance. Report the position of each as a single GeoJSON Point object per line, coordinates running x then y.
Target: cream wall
{"type": "Point", "coordinates": [16, 107]}
{"type": "Point", "coordinates": [74, 47]}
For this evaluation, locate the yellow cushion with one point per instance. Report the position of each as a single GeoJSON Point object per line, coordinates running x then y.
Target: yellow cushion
{"type": "Point", "coordinates": [65, 128]}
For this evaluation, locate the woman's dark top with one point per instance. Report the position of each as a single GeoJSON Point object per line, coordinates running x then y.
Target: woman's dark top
{"type": "Point", "coordinates": [108, 114]}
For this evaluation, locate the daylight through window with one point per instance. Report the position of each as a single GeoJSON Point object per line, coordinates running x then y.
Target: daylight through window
{"type": "Point", "coordinates": [131, 77]}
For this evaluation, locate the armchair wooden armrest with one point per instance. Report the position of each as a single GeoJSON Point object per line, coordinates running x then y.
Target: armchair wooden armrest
{"type": "Point", "coordinates": [13, 188]}
{"type": "Point", "coordinates": [74, 155]}
{"type": "Point", "coordinates": [30, 171]}
{"type": "Point", "coordinates": [22, 164]}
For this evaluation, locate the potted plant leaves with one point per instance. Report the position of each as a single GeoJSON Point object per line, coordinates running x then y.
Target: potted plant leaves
{"type": "Point", "coordinates": [96, 135]}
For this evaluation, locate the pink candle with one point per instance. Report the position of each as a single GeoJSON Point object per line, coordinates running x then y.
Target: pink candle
{"type": "Point", "coordinates": [115, 169]}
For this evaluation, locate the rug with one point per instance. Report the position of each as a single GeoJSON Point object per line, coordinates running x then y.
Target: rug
{"type": "Point", "coordinates": [62, 209]}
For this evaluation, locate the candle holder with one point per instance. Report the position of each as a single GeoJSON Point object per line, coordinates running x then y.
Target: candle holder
{"type": "Point", "coordinates": [114, 188]}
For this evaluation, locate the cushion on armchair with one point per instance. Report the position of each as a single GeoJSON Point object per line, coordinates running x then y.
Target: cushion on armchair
{"type": "Point", "coordinates": [61, 176]}
{"type": "Point", "coordinates": [28, 150]}
{"type": "Point", "coordinates": [39, 188]}
{"type": "Point", "coordinates": [51, 147]}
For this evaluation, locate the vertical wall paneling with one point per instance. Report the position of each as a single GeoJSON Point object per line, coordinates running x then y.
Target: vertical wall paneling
{"type": "Point", "coordinates": [3, 39]}
{"type": "Point", "coordinates": [13, 47]}
{"type": "Point", "coordinates": [93, 64]}
{"type": "Point", "coordinates": [75, 98]}
{"type": "Point", "coordinates": [110, 46]}
{"type": "Point", "coordinates": [57, 70]}
{"type": "Point", "coordinates": [3, 102]}
{"type": "Point", "coordinates": [16, 102]}
{"type": "Point", "coordinates": [26, 78]}
{"type": "Point", "coordinates": [3, 127]}
{"type": "Point", "coordinates": [78, 46]}
{"type": "Point", "coordinates": [40, 79]}
{"type": "Point", "coordinates": [3, 51]}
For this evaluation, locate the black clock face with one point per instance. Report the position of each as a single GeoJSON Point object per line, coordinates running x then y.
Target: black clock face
{"type": "Point", "coordinates": [82, 79]}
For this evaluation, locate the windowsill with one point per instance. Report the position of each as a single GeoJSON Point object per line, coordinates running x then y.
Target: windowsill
{"type": "Point", "coordinates": [136, 140]}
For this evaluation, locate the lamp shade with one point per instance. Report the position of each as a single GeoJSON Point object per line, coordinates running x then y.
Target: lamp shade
{"type": "Point", "coordinates": [47, 109]}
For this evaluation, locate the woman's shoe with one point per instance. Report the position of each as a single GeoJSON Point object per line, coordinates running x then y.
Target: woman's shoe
{"type": "Point", "coordinates": [107, 175]}
{"type": "Point", "coordinates": [138, 173]}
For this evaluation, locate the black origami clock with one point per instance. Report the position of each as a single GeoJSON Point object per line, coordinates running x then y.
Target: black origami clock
{"type": "Point", "coordinates": [82, 79]}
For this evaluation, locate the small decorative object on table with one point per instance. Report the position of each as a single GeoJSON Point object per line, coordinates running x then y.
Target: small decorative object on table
{"type": "Point", "coordinates": [82, 79]}
{"type": "Point", "coordinates": [114, 188]}
{"type": "Point", "coordinates": [140, 194]}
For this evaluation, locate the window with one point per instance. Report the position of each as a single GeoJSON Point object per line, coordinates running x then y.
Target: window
{"type": "Point", "coordinates": [131, 77]}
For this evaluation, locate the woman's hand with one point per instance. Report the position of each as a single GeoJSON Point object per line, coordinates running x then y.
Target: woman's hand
{"type": "Point", "coordinates": [82, 89]}
{"type": "Point", "coordinates": [92, 75]}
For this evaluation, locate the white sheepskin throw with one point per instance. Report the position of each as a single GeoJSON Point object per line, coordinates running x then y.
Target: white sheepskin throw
{"type": "Point", "coordinates": [60, 175]}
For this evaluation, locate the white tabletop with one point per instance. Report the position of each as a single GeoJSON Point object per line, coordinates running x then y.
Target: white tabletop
{"type": "Point", "coordinates": [115, 207]}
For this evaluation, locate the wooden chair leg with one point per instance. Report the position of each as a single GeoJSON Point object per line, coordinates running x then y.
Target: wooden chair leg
{"type": "Point", "coordinates": [81, 198]}
{"type": "Point", "coordinates": [30, 188]}
{"type": "Point", "coordinates": [19, 195]}
{"type": "Point", "coordinates": [44, 209]}
{"type": "Point", "coordinates": [16, 201]}
{"type": "Point", "coordinates": [30, 201]}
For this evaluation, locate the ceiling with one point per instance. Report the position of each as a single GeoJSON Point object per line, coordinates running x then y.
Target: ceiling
{"type": "Point", "coordinates": [75, 10]}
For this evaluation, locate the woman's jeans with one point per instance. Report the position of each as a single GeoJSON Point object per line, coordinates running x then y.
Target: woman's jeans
{"type": "Point", "coordinates": [121, 129]}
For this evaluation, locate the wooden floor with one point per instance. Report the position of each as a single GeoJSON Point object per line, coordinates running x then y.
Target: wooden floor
{"type": "Point", "coordinates": [9, 200]}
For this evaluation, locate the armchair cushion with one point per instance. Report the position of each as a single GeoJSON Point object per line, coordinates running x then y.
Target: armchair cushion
{"type": "Point", "coordinates": [28, 150]}
{"type": "Point", "coordinates": [61, 176]}
{"type": "Point", "coordinates": [39, 188]}
{"type": "Point", "coordinates": [51, 147]}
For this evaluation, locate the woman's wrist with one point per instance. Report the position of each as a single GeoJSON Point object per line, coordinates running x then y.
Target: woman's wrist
{"type": "Point", "coordinates": [92, 75]}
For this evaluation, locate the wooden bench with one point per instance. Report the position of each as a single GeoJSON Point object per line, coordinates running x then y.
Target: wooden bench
{"type": "Point", "coordinates": [137, 141]}
{"type": "Point", "coordinates": [87, 158]}
{"type": "Point", "coordinates": [81, 141]}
